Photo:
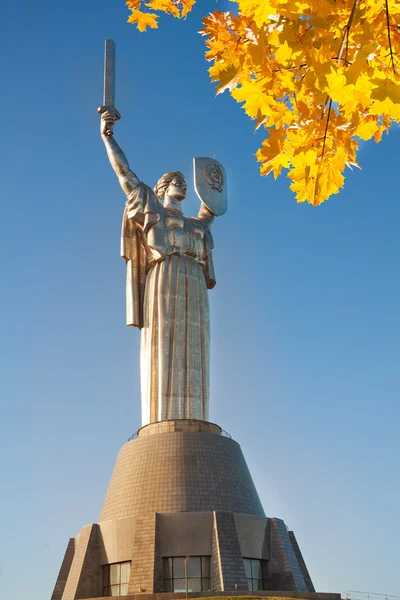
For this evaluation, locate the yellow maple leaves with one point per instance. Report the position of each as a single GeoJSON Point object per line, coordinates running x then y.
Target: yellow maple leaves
{"type": "Point", "coordinates": [143, 18]}
{"type": "Point", "coordinates": [258, 10]}
{"type": "Point", "coordinates": [318, 75]}
{"type": "Point", "coordinates": [328, 74]}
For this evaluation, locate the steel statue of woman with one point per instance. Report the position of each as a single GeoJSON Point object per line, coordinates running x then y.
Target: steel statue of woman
{"type": "Point", "coordinates": [169, 270]}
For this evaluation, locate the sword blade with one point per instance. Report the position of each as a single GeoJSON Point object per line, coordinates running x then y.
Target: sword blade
{"type": "Point", "coordinates": [109, 73]}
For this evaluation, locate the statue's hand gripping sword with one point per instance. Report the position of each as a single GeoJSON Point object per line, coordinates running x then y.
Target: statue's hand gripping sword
{"type": "Point", "coordinates": [109, 87]}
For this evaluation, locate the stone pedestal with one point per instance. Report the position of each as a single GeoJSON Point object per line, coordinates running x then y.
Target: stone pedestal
{"type": "Point", "coordinates": [181, 489]}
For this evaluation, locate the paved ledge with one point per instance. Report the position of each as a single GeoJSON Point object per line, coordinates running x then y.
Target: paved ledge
{"type": "Point", "coordinates": [268, 595]}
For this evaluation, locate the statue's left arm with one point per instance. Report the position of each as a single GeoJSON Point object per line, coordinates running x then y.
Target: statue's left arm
{"type": "Point", "coordinates": [208, 217]}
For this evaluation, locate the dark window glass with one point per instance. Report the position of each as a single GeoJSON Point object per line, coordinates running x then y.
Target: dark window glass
{"type": "Point", "coordinates": [265, 574]}
{"type": "Point", "coordinates": [247, 567]}
{"type": "Point", "coordinates": [167, 568]}
{"type": "Point", "coordinates": [194, 567]}
{"type": "Point", "coordinates": [179, 567]}
{"type": "Point", "coordinates": [193, 571]}
{"type": "Point", "coordinates": [256, 573]}
{"type": "Point", "coordinates": [205, 584]}
{"type": "Point", "coordinates": [255, 569]}
{"type": "Point", "coordinates": [115, 574]}
{"type": "Point", "coordinates": [205, 566]}
{"type": "Point", "coordinates": [179, 585]}
{"type": "Point", "coordinates": [116, 579]}
{"type": "Point", "coordinates": [194, 584]}
{"type": "Point", "coordinates": [125, 572]}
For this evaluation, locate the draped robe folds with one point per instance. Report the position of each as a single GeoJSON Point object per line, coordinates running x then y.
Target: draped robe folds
{"type": "Point", "coordinates": [169, 268]}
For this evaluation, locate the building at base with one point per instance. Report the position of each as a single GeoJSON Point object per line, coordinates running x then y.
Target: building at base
{"type": "Point", "coordinates": [182, 514]}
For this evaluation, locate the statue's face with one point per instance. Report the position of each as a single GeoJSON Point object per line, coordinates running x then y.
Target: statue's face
{"type": "Point", "coordinates": [177, 188]}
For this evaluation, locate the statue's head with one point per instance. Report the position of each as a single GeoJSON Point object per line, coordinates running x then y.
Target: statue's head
{"type": "Point", "coordinates": [172, 184]}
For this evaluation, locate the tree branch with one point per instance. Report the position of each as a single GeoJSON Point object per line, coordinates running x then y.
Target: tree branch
{"type": "Point", "coordinates": [390, 41]}
{"type": "Point", "coordinates": [345, 39]}
{"type": "Point", "coordinates": [343, 46]}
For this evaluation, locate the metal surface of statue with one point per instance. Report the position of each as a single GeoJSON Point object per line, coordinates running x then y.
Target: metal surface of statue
{"type": "Point", "coordinates": [169, 270]}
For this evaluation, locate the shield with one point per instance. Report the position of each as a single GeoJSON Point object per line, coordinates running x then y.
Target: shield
{"type": "Point", "coordinates": [210, 184]}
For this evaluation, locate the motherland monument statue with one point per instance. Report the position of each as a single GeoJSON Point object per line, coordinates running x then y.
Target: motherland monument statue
{"type": "Point", "coordinates": [169, 270]}
{"type": "Point", "coordinates": [181, 513]}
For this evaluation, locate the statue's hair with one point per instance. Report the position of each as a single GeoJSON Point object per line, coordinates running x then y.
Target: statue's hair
{"type": "Point", "coordinates": [164, 181]}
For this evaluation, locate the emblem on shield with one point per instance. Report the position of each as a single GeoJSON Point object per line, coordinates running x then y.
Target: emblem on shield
{"type": "Point", "coordinates": [214, 176]}
{"type": "Point", "coordinates": [210, 184]}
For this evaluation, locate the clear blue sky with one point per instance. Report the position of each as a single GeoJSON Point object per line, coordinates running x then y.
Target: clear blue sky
{"type": "Point", "coordinates": [305, 314]}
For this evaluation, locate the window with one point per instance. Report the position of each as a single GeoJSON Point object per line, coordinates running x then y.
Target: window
{"type": "Point", "coordinates": [116, 579]}
{"type": "Point", "coordinates": [195, 570]}
{"type": "Point", "coordinates": [256, 573]}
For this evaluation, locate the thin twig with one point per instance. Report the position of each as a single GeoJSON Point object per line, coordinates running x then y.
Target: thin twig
{"type": "Point", "coordinates": [290, 68]}
{"type": "Point", "coordinates": [293, 94]}
{"type": "Point", "coordinates": [390, 41]}
{"type": "Point", "coordinates": [345, 39]}
{"type": "Point", "coordinates": [344, 45]}
{"type": "Point", "coordinates": [326, 129]}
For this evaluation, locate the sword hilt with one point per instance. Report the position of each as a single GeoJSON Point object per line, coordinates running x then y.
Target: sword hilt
{"type": "Point", "coordinates": [112, 111]}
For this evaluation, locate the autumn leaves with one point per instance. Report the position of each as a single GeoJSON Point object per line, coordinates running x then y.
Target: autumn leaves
{"type": "Point", "coordinates": [144, 18]}
{"type": "Point", "coordinates": [318, 75]}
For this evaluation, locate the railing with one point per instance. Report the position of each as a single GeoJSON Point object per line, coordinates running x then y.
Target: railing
{"type": "Point", "coordinates": [188, 425]}
{"type": "Point", "coordinates": [225, 434]}
{"type": "Point", "coordinates": [356, 595]}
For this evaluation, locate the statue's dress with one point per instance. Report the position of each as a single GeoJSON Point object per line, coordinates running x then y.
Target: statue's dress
{"type": "Point", "coordinates": [169, 270]}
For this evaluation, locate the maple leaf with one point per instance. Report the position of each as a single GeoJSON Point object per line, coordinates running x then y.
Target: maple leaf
{"type": "Point", "coordinates": [143, 20]}
{"type": "Point", "coordinates": [133, 4]}
{"type": "Point", "coordinates": [367, 129]}
{"type": "Point", "coordinates": [284, 54]}
{"type": "Point", "coordinates": [327, 182]}
{"type": "Point", "coordinates": [253, 95]}
{"type": "Point", "coordinates": [164, 5]}
{"type": "Point", "coordinates": [337, 87]}
{"type": "Point", "coordinates": [385, 88]}
{"type": "Point", "coordinates": [260, 11]}
{"type": "Point", "coordinates": [187, 7]}
{"type": "Point", "coordinates": [272, 153]}
{"type": "Point", "coordinates": [226, 75]}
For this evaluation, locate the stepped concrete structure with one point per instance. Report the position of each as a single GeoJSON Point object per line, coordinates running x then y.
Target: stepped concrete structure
{"type": "Point", "coordinates": [181, 491]}
{"type": "Point", "coordinates": [181, 516]}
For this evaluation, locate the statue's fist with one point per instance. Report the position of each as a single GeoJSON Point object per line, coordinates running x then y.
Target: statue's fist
{"type": "Point", "coordinates": [109, 115]}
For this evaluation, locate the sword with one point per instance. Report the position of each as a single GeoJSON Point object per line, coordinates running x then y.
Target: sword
{"type": "Point", "coordinates": [109, 84]}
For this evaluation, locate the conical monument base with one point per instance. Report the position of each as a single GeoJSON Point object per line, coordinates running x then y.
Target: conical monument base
{"type": "Point", "coordinates": [182, 513]}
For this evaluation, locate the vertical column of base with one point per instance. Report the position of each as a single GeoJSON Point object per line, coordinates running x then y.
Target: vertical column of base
{"type": "Point", "coordinates": [216, 571]}
{"type": "Point", "coordinates": [227, 555]}
{"type": "Point", "coordinates": [146, 566]}
{"type": "Point", "coordinates": [84, 576]}
{"type": "Point", "coordinates": [301, 562]}
{"type": "Point", "coordinates": [285, 571]}
{"type": "Point", "coordinates": [64, 571]}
